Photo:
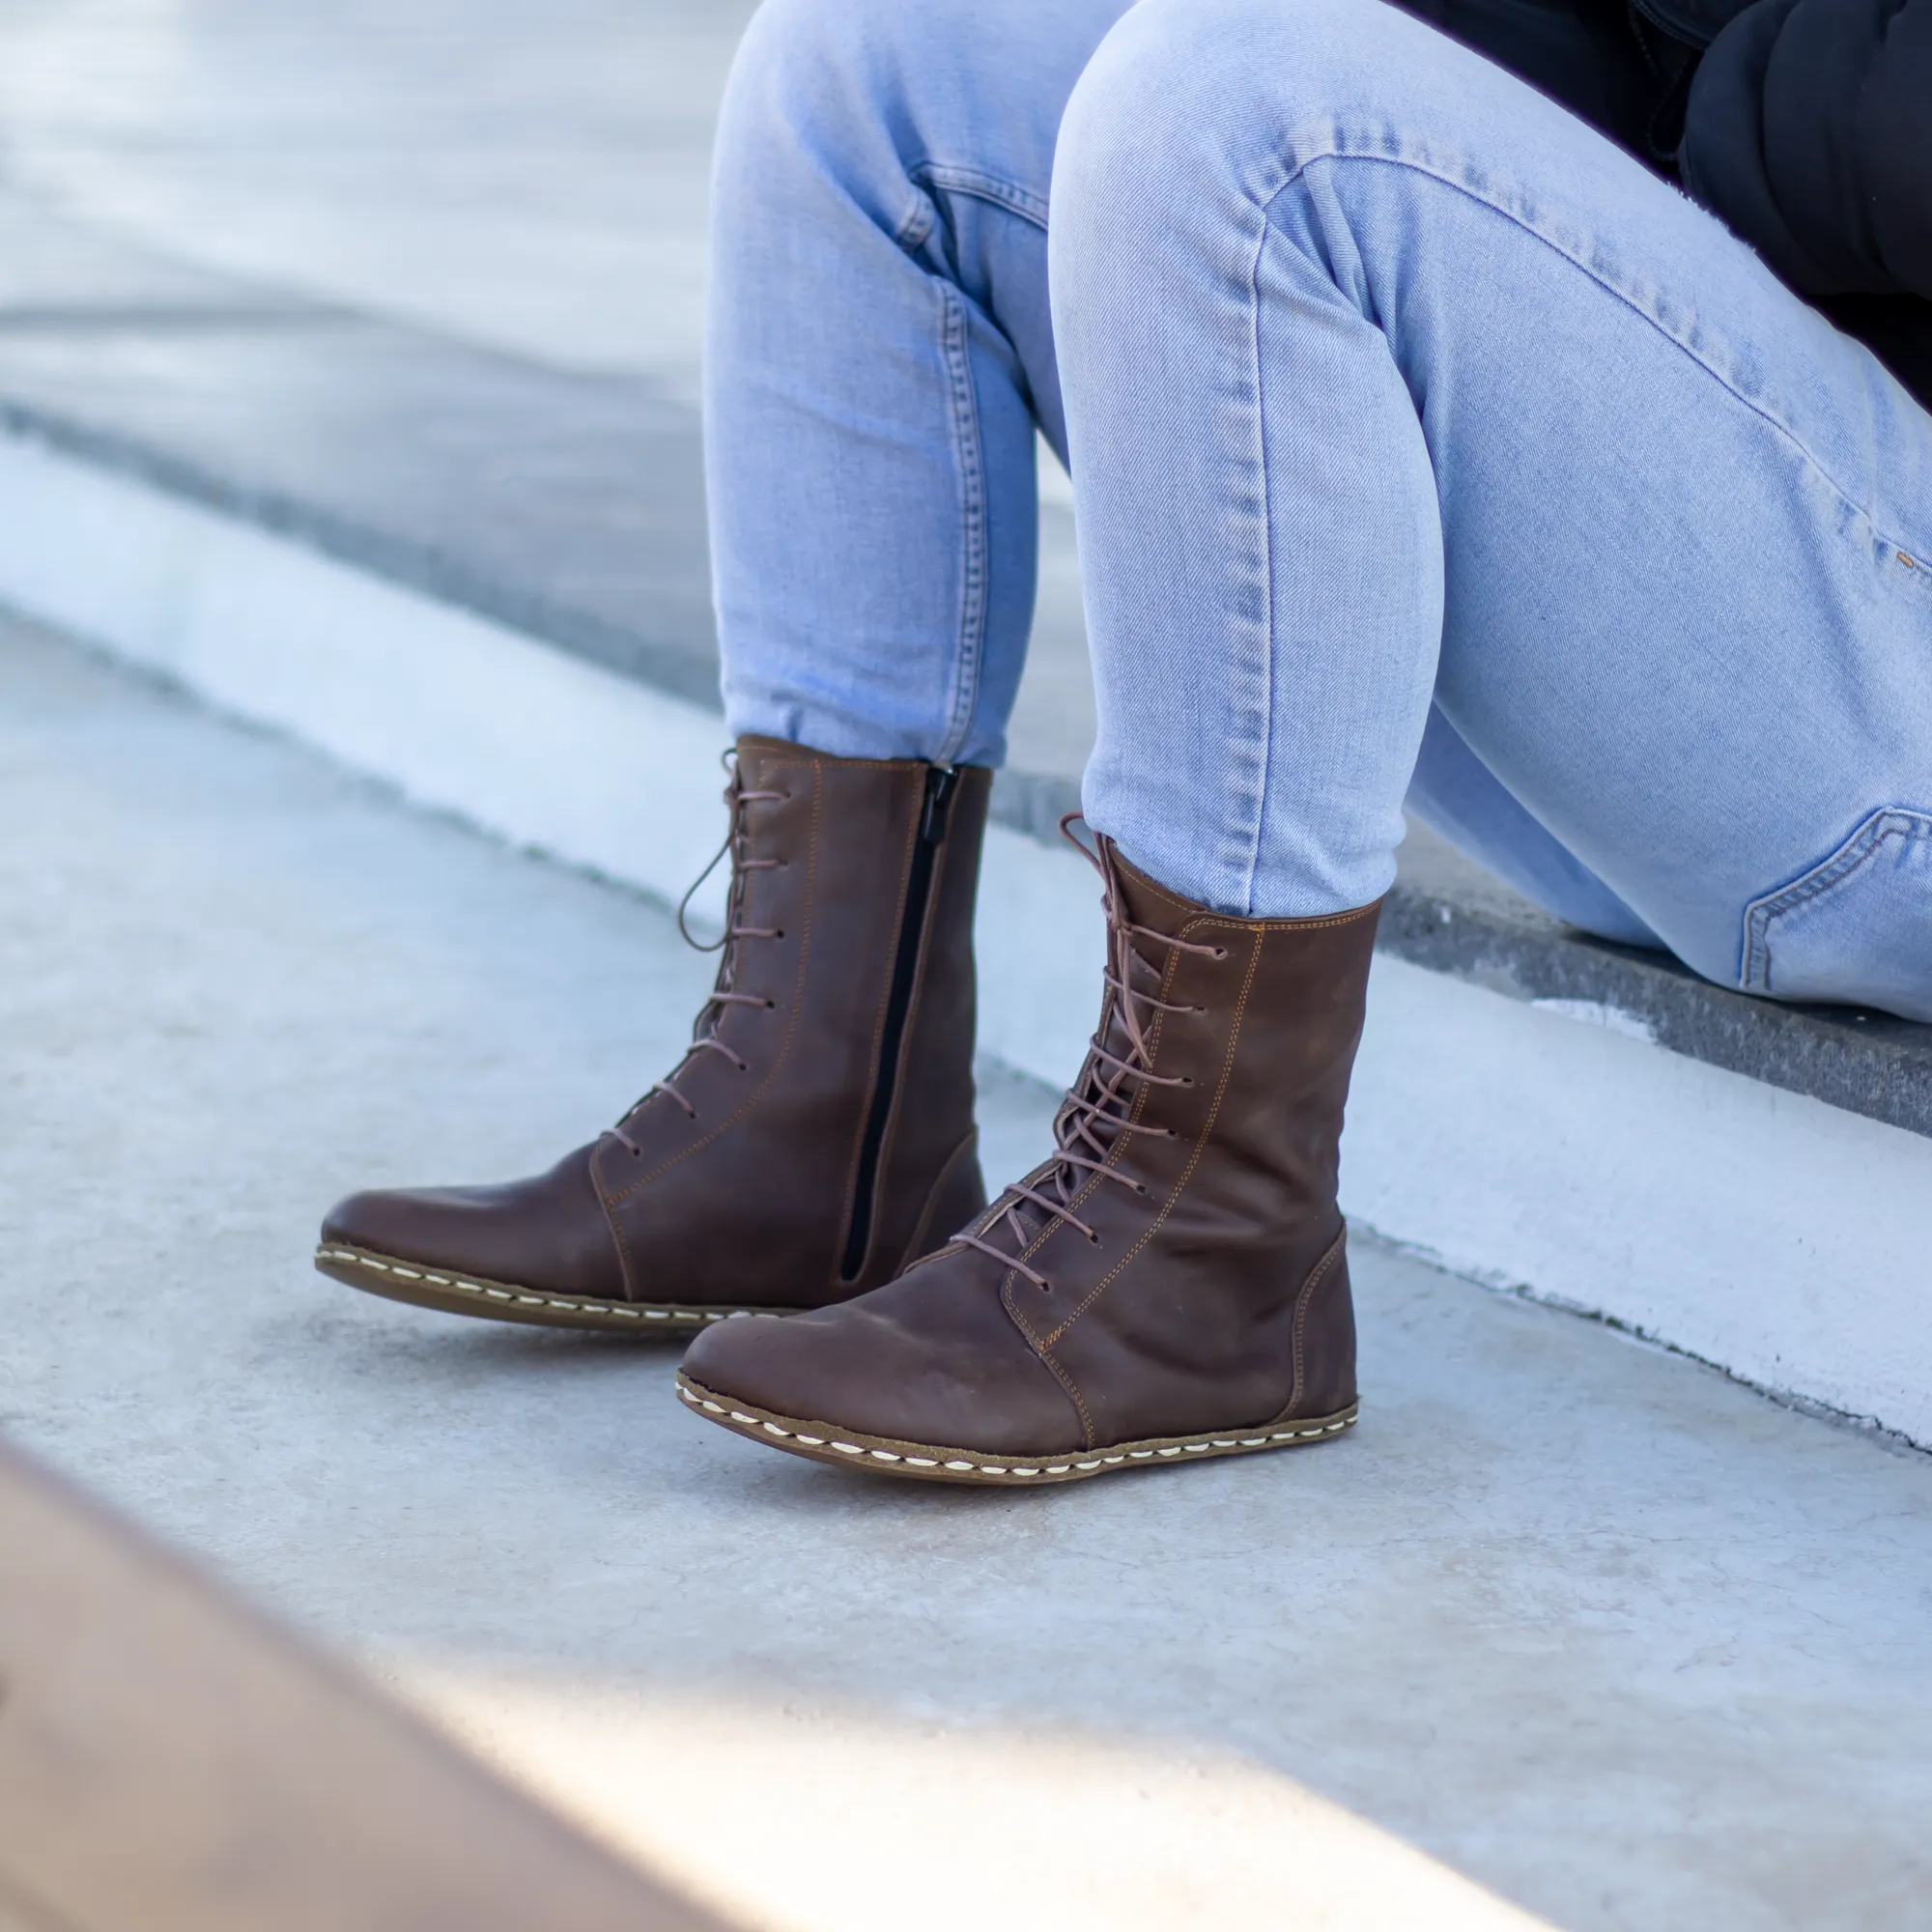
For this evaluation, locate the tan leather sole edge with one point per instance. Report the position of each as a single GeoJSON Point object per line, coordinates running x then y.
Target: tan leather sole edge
{"type": "Point", "coordinates": [505, 1301]}
{"type": "Point", "coordinates": [881, 1455]}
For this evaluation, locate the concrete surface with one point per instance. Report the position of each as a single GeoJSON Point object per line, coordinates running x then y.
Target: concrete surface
{"type": "Point", "coordinates": [568, 506]}
{"type": "Point", "coordinates": [1617, 1639]}
{"type": "Point", "coordinates": [1524, 1131]}
{"type": "Point", "coordinates": [524, 176]}
{"type": "Point", "coordinates": [527, 175]}
{"type": "Point", "coordinates": [1610, 1636]}
{"type": "Point", "coordinates": [545, 482]}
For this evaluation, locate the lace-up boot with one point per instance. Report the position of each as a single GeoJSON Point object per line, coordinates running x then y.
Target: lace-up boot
{"type": "Point", "coordinates": [1171, 1285]}
{"type": "Point", "coordinates": [818, 1134]}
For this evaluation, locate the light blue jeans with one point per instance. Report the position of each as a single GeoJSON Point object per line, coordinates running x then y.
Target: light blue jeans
{"type": "Point", "coordinates": [1424, 447]}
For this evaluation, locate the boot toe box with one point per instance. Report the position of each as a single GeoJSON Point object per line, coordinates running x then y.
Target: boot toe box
{"type": "Point", "coordinates": [927, 1360]}
{"type": "Point", "coordinates": [548, 1232]}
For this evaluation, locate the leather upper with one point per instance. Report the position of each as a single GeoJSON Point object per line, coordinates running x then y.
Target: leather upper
{"type": "Point", "coordinates": [737, 1180]}
{"type": "Point", "coordinates": [1213, 1290]}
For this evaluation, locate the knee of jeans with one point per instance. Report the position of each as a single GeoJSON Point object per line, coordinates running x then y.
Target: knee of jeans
{"type": "Point", "coordinates": [1265, 82]}
{"type": "Point", "coordinates": [868, 90]}
{"type": "Point", "coordinates": [885, 57]}
{"type": "Point", "coordinates": [1193, 105]}
{"type": "Point", "coordinates": [795, 51]}
{"type": "Point", "coordinates": [825, 71]}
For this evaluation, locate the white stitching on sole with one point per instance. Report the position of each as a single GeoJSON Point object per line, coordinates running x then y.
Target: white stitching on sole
{"type": "Point", "coordinates": [1020, 1471]}
{"type": "Point", "coordinates": [609, 1311]}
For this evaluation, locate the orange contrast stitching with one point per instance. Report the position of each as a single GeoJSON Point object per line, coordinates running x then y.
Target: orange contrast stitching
{"type": "Point", "coordinates": [1200, 1145]}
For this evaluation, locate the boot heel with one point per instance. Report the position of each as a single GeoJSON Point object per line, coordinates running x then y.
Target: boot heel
{"type": "Point", "coordinates": [1324, 1339]}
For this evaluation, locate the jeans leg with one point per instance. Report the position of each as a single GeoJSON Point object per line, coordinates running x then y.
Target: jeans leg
{"type": "Point", "coordinates": [1454, 793]}
{"type": "Point", "coordinates": [1388, 381]}
{"type": "Point", "coordinates": [878, 352]}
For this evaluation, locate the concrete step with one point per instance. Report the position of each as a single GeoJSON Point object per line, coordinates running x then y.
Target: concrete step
{"type": "Point", "coordinates": [482, 581]}
{"type": "Point", "coordinates": [1568, 1630]}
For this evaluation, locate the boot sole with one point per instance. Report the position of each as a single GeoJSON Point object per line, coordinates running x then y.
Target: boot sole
{"type": "Point", "coordinates": [425, 1287]}
{"type": "Point", "coordinates": [922, 1462]}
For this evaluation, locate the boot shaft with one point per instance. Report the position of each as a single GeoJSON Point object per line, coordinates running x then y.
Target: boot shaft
{"type": "Point", "coordinates": [1261, 1050]}
{"type": "Point", "coordinates": [832, 1076]}
{"type": "Point", "coordinates": [1172, 1282]}
{"type": "Point", "coordinates": [1210, 1258]}
{"type": "Point", "coordinates": [818, 1131]}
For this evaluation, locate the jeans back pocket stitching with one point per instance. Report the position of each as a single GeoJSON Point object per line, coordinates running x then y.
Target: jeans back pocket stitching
{"type": "Point", "coordinates": [1864, 845]}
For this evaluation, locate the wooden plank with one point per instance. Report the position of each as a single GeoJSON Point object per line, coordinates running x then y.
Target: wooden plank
{"type": "Point", "coordinates": [172, 1762]}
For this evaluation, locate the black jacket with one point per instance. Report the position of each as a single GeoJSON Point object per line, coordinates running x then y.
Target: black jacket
{"type": "Point", "coordinates": [1805, 124]}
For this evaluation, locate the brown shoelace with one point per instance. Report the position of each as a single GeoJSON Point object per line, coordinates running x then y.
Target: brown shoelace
{"type": "Point", "coordinates": [1095, 1113]}
{"type": "Point", "coordinates": [704, 1030]}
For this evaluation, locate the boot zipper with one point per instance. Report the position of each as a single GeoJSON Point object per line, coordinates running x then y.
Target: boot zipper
{"type": "Point", "coordinates": [941, 781]}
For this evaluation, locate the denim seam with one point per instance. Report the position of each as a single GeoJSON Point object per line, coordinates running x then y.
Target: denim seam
{"type": "Point", "coordinates": [1761, 410]}
{"type": "Point", "coordinates": [1260, 762]}
{"type": "Point", "coordinates": [1857, 851]}
{"type": "Point", "coordinates": [911, 233]}
{"type": "Point", "coordinates": [983, 186]}
{"type": "Point", "coordinates": [963, 410]}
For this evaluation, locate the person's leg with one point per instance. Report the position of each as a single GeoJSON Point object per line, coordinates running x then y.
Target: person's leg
{"type": "Point", "coordinates": [1454, 793]}
{"type": "Point", "coordinates": [878, 354]}
{"type": "Point", "coordinates": [1388, 380]}
{"type": "Point", "coordinates": [878, 259]}
{"type": "Point", "coordinates": [1387, 385]}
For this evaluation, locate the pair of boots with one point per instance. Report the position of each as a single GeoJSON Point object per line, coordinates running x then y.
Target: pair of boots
{"type": "Point", "coordinates": [1169, 1283]}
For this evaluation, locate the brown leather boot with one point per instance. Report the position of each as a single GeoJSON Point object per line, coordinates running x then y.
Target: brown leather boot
{"type": "Point", "coordinates": [819, 1133]}
{"type": "Point", "coordinates": [1172, 1285]}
